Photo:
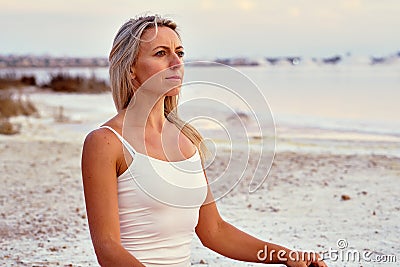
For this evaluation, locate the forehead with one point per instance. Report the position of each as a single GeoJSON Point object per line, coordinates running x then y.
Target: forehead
{"type": "Point", "coordinates": [164, 36]}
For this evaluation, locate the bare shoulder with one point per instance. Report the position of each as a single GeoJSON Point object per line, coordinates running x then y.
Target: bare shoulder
{"type": "Point", "coordinates": [100, 138]}
{"type": "Point", "coordinates": [100, 155]}
{"type": "Point", "coordinates": [103, 144]}
{"type": "Point", "coordinates": [103, 137]}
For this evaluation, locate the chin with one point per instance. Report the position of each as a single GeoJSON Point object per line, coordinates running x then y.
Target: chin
{"type": "Point", "coordinates": [174, 91]}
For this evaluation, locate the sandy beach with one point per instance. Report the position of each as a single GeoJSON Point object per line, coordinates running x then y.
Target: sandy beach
{"type": "Point", "coordinates": [323, 199]}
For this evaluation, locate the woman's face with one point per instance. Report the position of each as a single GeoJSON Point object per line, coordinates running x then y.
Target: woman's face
{"type": "Point", "coordinates": [160, 58]}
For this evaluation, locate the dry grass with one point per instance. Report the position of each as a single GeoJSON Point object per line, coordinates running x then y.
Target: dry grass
{"type": "Point", "coordinates": [8, 128]}
{"type": "Point", "coordinates": [60, 82]}
{"type": "Point", "coordinates": [10, 80]}
{"type": "Point", "coordinates": [68, 84]}
{"type": "Point", "coordinates": [12, 105]}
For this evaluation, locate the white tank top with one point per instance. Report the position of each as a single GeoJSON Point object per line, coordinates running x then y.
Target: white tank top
{"type": "Point", "coordinates": [159, 204]}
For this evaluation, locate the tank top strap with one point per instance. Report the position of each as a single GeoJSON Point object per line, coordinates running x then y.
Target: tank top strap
{"type": "Point", "coordinates": [128, 146]}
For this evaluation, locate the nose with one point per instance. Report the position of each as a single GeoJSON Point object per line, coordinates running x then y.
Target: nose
{"type": "Point", "coordinates": [175, 61]}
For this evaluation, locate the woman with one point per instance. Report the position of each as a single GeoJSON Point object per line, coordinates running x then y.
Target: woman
{"type": "Point", "coordinates": [143, 210]}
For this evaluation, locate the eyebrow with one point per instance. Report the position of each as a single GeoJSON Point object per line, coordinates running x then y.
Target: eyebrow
{"type": "Point", "coordinates": [166, 47]}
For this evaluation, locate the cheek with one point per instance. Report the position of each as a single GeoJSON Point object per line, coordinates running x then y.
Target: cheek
{"type": "Point", "coordinates": [144, 73]}
{"type": "Point", "coordinates": [147, 69]}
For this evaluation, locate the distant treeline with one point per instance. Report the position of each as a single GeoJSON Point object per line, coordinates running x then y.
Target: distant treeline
{"type": "Point", "coordinates": [14, 61]}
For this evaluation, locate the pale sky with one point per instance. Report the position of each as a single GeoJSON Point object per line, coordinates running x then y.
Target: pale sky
{"type": "Point", "coordinates": [209, 28]}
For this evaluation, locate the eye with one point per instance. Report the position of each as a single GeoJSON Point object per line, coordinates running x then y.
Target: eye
{"type": "Point", "coordinates": [160, 53]}
{"type": "Point", "coordinates": [180, 53]}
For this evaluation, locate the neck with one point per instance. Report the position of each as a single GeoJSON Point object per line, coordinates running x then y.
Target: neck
{"type": "Point", "coordinates": [146, 111]}
{"type": "Point", "coordinates": [156, 118]}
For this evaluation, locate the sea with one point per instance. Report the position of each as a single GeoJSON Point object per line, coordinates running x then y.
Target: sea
{"type": "Point", "coordinates": [348, 107]}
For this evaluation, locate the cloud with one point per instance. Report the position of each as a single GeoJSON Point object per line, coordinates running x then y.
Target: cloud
{"type": "Point", "coordinates": [226, 5]}
{"type": "Point", "coordinates": [294, 12]}
{"type": "Point", "coordinates": [207, 4]}
{"type": "Point", "coordinates": [351, 4]}
{"type": "Point", "coordinates": [245, 5]}
{"type": "Point", "coordinates": [209, 27]}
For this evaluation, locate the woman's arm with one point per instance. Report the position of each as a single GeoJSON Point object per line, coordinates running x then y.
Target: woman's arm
{"type": "Point", "coordinates": [231, 242]}
{"type": "Point", "coordinates": [99, 161]}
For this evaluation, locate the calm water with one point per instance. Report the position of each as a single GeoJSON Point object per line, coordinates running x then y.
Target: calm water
{"type": "Point", "coordinates": [357, 98]}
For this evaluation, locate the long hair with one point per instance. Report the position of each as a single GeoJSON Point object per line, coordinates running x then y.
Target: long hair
{"type": "Point", "coordinates": [123, 55]}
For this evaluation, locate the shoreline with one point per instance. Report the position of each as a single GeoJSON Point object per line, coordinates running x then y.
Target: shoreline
{"type": "Point", "coordinates": [83, 112]}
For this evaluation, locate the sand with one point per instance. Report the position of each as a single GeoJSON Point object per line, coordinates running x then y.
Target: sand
{"type": "Point", "coordinates": [311, 199]}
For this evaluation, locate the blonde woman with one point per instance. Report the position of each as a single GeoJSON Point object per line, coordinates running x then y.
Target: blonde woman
{"type": "Point", "coordinates": [136, 217]}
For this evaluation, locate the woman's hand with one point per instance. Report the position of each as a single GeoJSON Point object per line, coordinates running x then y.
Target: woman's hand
{"type": "Point", "coordinates": [305, 259]}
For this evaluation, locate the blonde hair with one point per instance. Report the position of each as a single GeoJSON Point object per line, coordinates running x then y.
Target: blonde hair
{"type": "Point", "coordinates": [123, 55]}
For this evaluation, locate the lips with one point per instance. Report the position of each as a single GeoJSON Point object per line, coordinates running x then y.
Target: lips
{"type": "Point", "coordinates": [174, 77]}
